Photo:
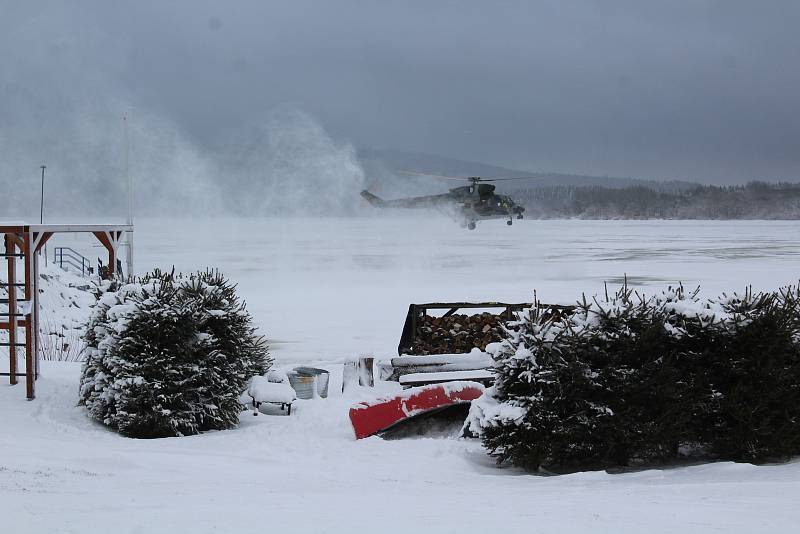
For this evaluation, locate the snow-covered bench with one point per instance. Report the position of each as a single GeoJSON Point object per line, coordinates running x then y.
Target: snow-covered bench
{"type": "Point", "coordinates": [262, 390]}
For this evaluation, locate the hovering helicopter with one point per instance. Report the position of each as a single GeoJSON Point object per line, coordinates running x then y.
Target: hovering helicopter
{"type": "Point", "coordinates": [474, 202]}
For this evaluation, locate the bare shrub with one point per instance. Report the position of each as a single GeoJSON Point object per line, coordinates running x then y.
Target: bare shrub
{"type": "Point", "coordinates": [59, 344]}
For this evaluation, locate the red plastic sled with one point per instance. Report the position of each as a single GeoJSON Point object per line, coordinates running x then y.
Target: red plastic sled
{"type": "Point", "coordinates": [369, 418]}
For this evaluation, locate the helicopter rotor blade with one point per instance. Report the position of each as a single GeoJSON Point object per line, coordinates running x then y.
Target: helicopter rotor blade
{"type": "Point", "coordinates": [512, 178]}
{"type": "Point", "coordinates": [429, 175]}
{"type": "Point", "coordinates": [473, 179]}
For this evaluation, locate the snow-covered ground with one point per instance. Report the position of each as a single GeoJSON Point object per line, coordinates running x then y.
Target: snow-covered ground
{"type": "Point", "coordinates": [325, 290]}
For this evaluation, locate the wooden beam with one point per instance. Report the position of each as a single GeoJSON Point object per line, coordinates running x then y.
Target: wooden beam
{"type": "Point", "coordinates": [108, 242]}
{"type": "Point", "coordinates": [40, 239]}
{"type": "Point", "coordinates": [15, 238]}
{"type": "Point", "coordinates": [5, 325]}
{"type": "Point", "coordinates": [34, 317]}
{"type": "Point", "coordinates": [79, 228]}
{"type": "Point", "coordinates": [64, 228]}
{"type": "Point", "coordinates": [103, 238]}
{"type": "Point", "coordinates": [30, 327]}
{"type": "Point", "coordinates": [11, 248]}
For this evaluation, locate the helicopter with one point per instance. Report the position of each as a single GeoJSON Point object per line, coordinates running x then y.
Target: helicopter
{"type": "Point", "coordinates": [474, 202]}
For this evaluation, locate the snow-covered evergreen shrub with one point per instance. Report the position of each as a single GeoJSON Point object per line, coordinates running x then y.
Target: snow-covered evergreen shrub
{"type": "Point", "coordinates": [634, 380]}
{"type": "Point", "coordinates": [169, 355]}
{"type": "Point", "coordinates": [751, 377]}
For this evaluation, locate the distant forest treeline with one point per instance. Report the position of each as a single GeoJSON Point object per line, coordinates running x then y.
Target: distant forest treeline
{"type": "Point", "coordinates": [756, 200]}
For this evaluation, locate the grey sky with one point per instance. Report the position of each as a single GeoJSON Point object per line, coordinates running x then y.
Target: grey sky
{"type": "Point", "coordinates": [699, 90]}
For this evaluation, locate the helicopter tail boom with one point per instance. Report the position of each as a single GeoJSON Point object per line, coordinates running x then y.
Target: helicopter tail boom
{"type": "Point", "coordinates": [373, 199]}
{"type": "Point", "coordinates": [431, 201]}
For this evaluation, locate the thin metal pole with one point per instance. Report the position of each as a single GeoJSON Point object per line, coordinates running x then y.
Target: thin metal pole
{"type": "Point", "coordinates": [130, 197]}
{"type": "Point", "coordinates": [41, 211]}
{"type": "Point", "coordinates": [41, 206]}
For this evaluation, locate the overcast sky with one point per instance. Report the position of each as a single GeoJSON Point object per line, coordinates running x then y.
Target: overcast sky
{"type": "Point", "coordinates": [699, 90]}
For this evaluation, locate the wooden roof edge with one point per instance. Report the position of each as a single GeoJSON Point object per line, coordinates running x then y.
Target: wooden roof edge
{"type": "Point", "coordinates": [65, 228]}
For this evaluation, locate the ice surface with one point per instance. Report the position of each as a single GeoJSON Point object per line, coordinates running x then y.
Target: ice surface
{"type": "Point", "coordinates": [353, 278]}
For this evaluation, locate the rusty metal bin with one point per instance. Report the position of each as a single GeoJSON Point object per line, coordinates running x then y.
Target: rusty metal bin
{"type": "Point", "coordinates": [309, 382]}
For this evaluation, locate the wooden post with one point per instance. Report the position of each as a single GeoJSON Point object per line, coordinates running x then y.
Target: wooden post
{"type": "Point", "coordinates": [366, 377]}
{"type": "Point", "coordinates": [104, 239]}
{"type": "Point", "coordinates": [39, 241]}
{"type": "Point", "coordinates": [110, 241]}
{"type": "Point", "coordinates": [34, 373]}
{"type": "Point", "coordinates": [112, 261]}
{"type": "Point", "coordinates": [11, 249]}
{"type": "Point", "coordinates": [31, 323]}
{"type": "Point", "coordinates": [349, 375]}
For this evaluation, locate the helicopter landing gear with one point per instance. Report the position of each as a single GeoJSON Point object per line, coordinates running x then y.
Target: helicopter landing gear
{"type": "Point", "coordinates": [471, 225]}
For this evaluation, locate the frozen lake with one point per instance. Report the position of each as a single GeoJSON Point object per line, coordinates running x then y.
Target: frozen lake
{"type": "Point", "coordinates": [323, 289]}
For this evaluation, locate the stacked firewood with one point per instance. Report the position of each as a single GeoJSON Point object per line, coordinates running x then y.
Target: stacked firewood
{"type": "Point", "coordinates": [457, 333]}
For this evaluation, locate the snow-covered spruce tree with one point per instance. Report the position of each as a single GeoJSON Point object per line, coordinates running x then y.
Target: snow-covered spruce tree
{"type": "Point", "coordinates": [740, 358]}
{"type": "Point", "coordinates": [637, 381]}
{"type": "Point", "coordinates": [600, 387]}
{"type": "Point", "coordinates": [751, 374]}
{"type": "Point", "coordinates": [169, 355]}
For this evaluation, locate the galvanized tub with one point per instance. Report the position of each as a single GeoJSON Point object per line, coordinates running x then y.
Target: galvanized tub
{"type": "Point", "coordinates": [306, 381]}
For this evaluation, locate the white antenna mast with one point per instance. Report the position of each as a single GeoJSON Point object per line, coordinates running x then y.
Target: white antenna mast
{"type": "Point", "coordinates": [130, 195]}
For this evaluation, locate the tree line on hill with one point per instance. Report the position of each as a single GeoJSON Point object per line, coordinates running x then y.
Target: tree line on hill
{"type": "Point", "coordinates": [756, 200]}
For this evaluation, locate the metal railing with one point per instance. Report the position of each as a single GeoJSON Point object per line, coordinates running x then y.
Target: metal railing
{"type": "Point", "coordinates": [72, 260]}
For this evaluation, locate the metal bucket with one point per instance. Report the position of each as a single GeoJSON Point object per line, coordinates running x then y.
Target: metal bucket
{"type": "Point", "coordinates": [307, 380]}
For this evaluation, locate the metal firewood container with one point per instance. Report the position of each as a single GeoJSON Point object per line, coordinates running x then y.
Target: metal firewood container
{"type": "Point", "coordinates": [309, 382]}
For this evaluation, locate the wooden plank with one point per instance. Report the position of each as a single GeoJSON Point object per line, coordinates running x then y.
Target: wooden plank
{"type": "Point", "coordinates": [365, 371]}
{"type": "Point", "coordinates": [106, 240]}
{"type": "Point", "coordinates": [30, 344]}
{"type": "Point", "coordinates": [42, 239]}
{"type": "Point", "coordinates": [448, 305]}
{"type": "Point", "coordinates": [5, 325]}
{"type": "Point", "coordinates": [418, 379]}
{"type": "Point", "coordinates": [34, 317]}
{"type": "Point", "coordinates": [16, 239]}
{"type": "Point", "coordinates": [11, 247]}
{"type": "Point", "coordinates": [472, 305]}
{"type": "Point", "coordinates": [349, 375]}
{"type": "Point", "coordinates": [80, 228]}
